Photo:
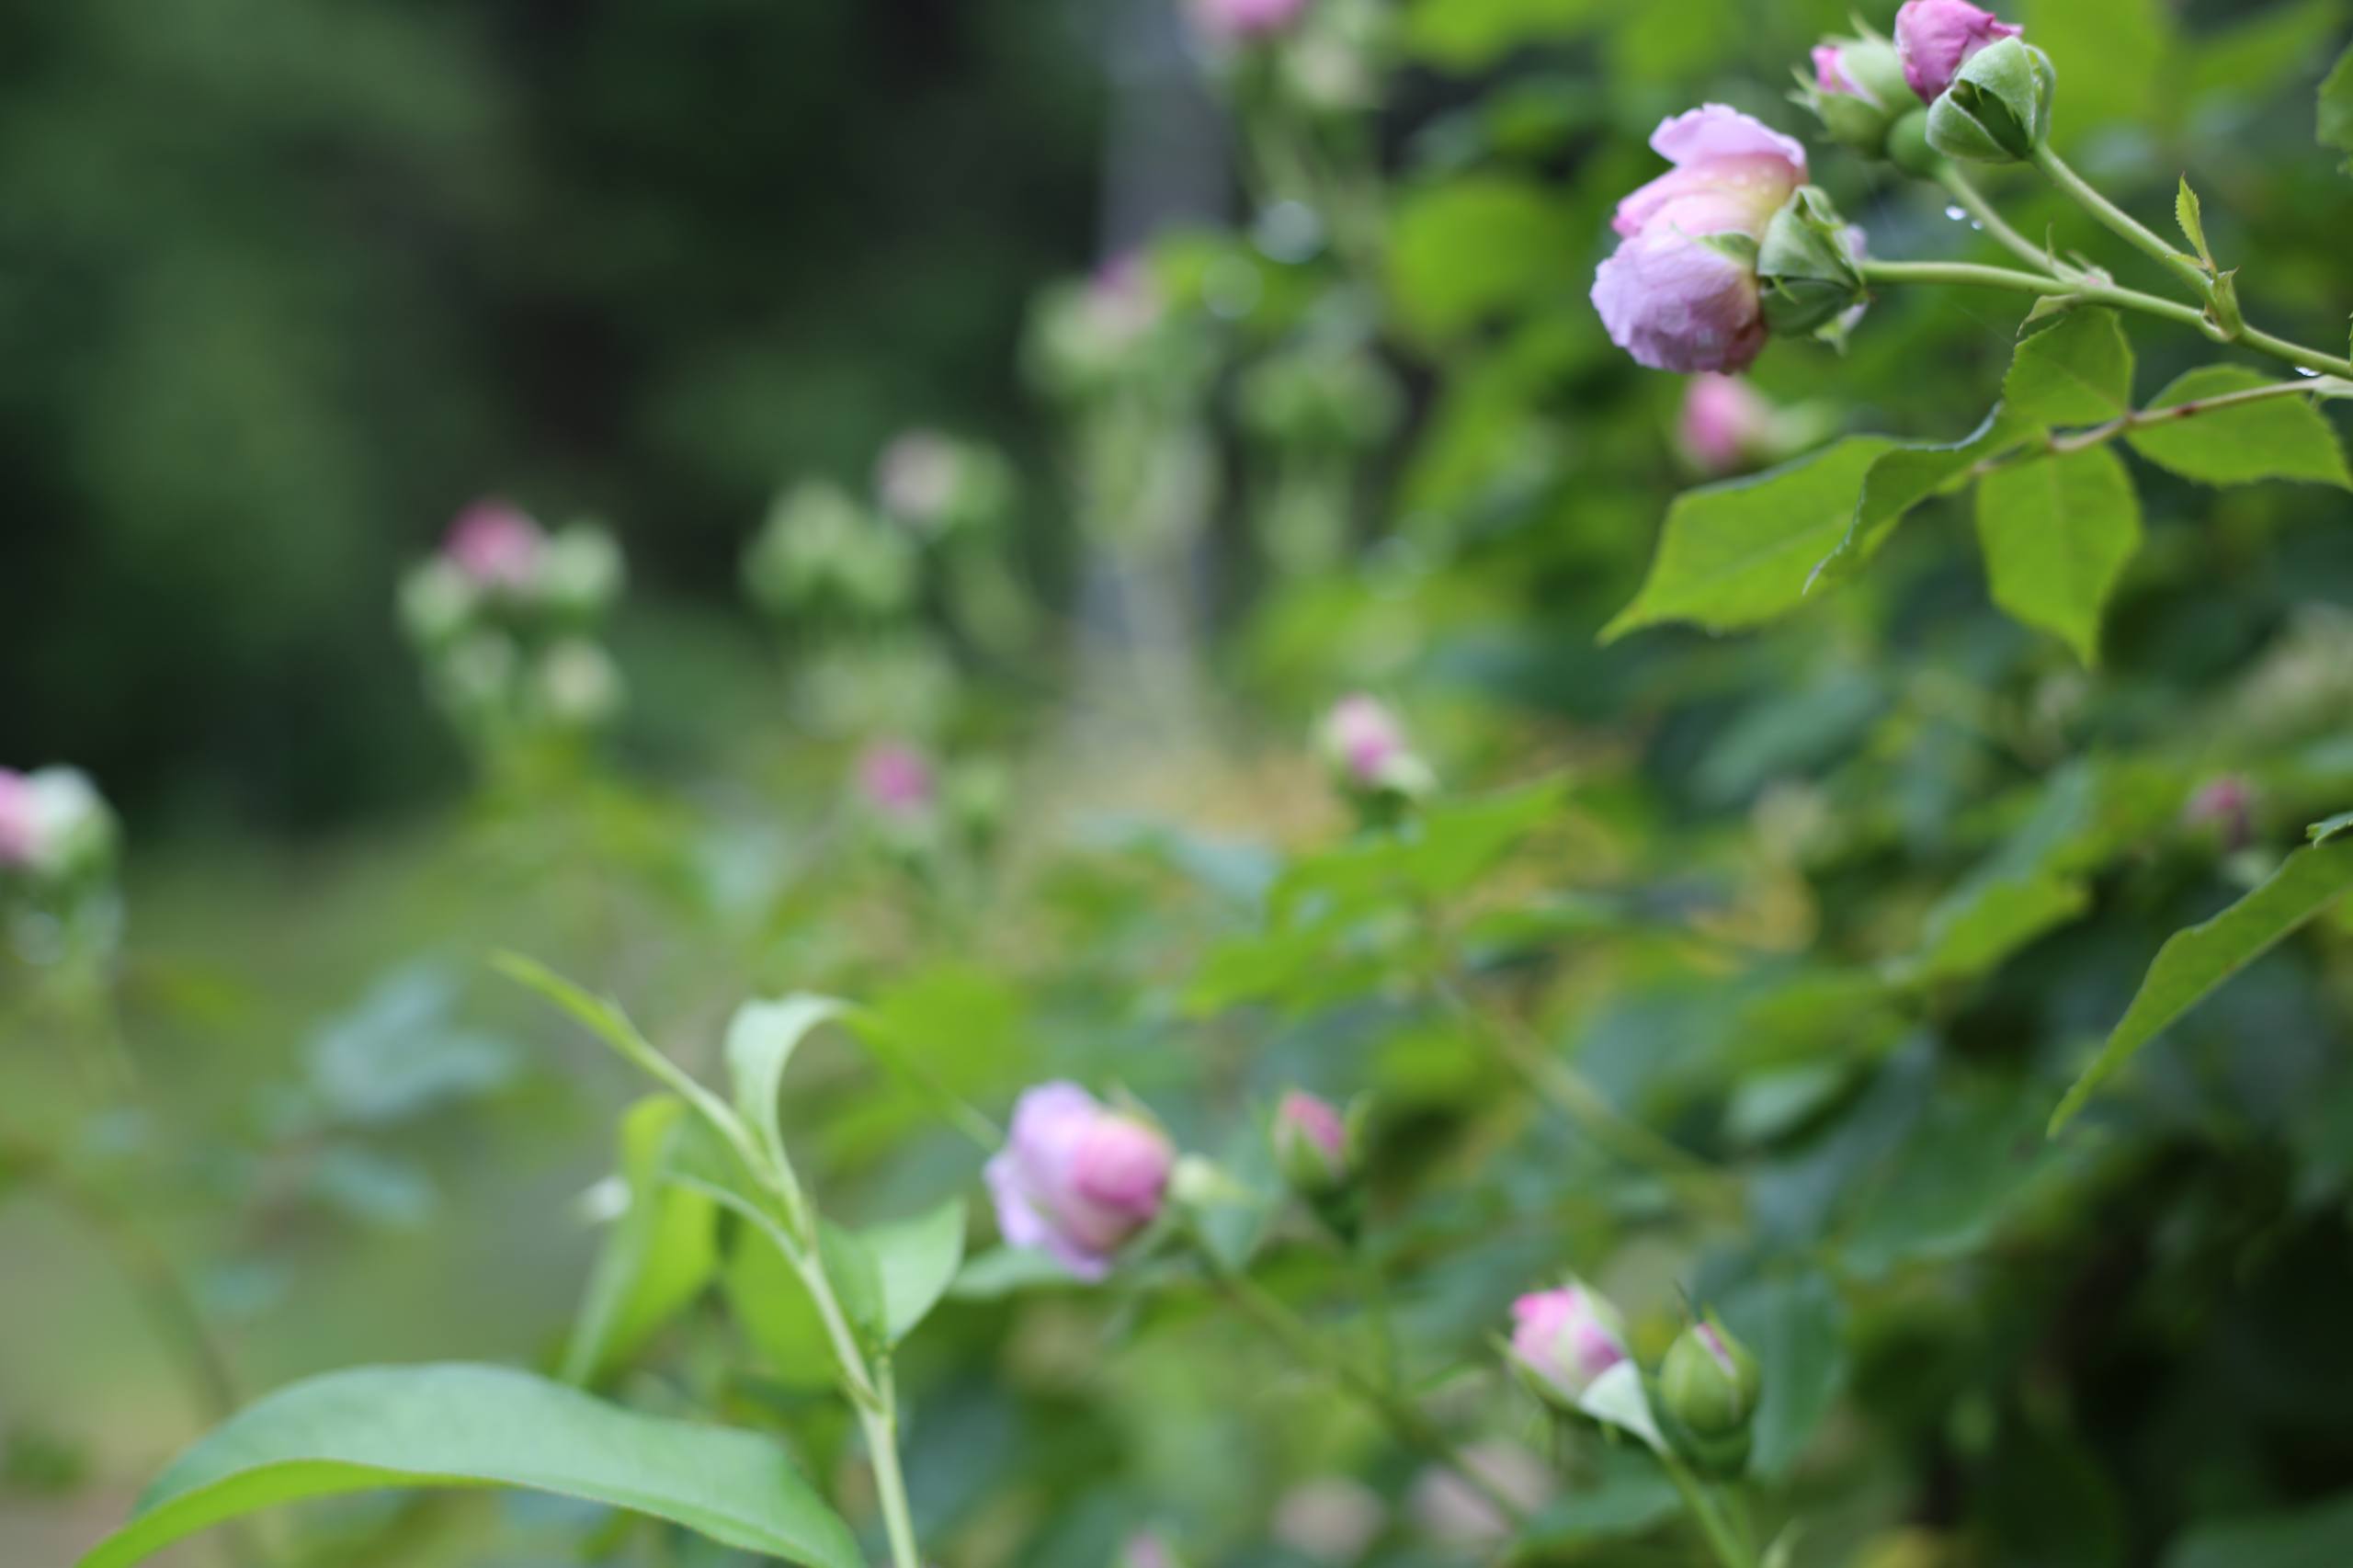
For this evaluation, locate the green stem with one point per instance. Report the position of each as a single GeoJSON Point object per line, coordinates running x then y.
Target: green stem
{"type": "Point", "coordinates": [1568, 1090]}
{"type": "Point", "coordinates": [881, 1427]}
{"type": "Point", "coordinates": [1729, 1548]}
{"type": "Point", "coordinates": [1373, 1289]}
{"type": "Point", "coordinates": [2056, 444]}
{"type": "Point", "coordinates": [2131, 228]}
{"type": "Point", "coordinates": [1973, 201]}
{"type": "Point", "coordinates": [1314, 1351]}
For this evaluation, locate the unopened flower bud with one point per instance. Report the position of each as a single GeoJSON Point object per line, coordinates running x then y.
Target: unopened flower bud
{"type": "Point", "coordinates": [1316, 1153]}
{"type": "Point", "coordinates": [2224, 809]}
{"type": "Point", "coordinates": [581, 573]}
{"type": "Point", "coordinates": [579, 685]}
{"type": "Point", "coordinates": [497, 546]}
{"type": "Point", "coordinates": [1858, 92]}
{"type": "Point", "coordinates": [1077, 1178]}
{"type": "Point", "coordinates": [1807, 265]}
{"type": "Point", "coordinates": [1708, 1389]}
{"type": "Point", "coordinates": [1564, 1339]}
{"type": "Point", "coordinates": [1999, 108]}
{"type": "Point", "coordinates": [1934, 38]}
{"type": "Point", "coordinates": [1723, 424]}
{"type": "Point", "coordinates": [53, 825]}
{"type": "Point", "coordinates": [1365, 747]}
{"type": "Point", "coordinates": [437, 601]}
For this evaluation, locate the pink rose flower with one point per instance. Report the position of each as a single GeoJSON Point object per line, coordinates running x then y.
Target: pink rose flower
{"type": "Point", "coordinates": [1672, 300]}
{"type": "Point", "coordinates": [1936, 38]}
{"type": "Point", "coordinates": [1567, 1338]}
{"type": "Point", "coordinates": [1723, 423]}
{"type": "Point", "coordinates": [495, 545]}
{"type": "Point", "coordinates": [894, 780]}
{"type": "Point", "coordinates": [1231, 20]}
{"type": "Point", "coordinates": [20, 820]}
{"type": "Point", "coordinates": [1077, 1178]}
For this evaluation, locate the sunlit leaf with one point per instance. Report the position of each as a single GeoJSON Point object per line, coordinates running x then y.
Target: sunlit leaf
{"type": "Point", "coordinates": [2278, 437]}
{"type": "Point", "coordinates": [457, 1425]}
{"type": "Point", "coordinates": [2078, 370]}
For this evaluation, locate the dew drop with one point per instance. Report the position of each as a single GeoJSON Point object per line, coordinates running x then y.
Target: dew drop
{"type": "Point", "coordinates": [1955, 213]}
{"type": "Point", "coordinates": [2305, 370]}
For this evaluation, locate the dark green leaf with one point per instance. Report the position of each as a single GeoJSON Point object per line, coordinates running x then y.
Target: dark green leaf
{"type": "Point", "coordinates": [2193, 962]}
{"type": "Point", "coordinates": [2337, 107]}
{"type": "Point", "coordinates": [1738, 554]}
{"type": "Point", "coordinates": [2057, 533]}
{"type": "Point", "coordinates": [2076, 372]}
{"type": "Point", "coordinates": [457, 1425]}
{"type": "Point", "coordinates": [2320, 1536]}
{"type": "Point", "coordinates": [2278, 438]}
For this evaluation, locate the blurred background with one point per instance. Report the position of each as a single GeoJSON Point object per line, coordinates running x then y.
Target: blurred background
{"type": "Point", "coordinates": [286, 285]}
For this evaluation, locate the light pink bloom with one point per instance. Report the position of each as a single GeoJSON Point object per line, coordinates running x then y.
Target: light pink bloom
{"type": "Point", "coordinates": [1567, 1337]}
{"type": "Point", "coordinates": [895, 780]}
{"type": "Point", "coordinates": [1077, 1178]}
{"type": "Point", "coordinates": [1230, 21]}
{"type": "Point", "coordinates": [495, 545]}
{"type": "Point", "coordinates": [1667, 298]}
{"type": "Point", "coordinates": [20, 820]}
{"type": "Point", "coordinates": [1936, 38]}
{"type": "Point", "coordinates": [1722, 422]}
{"type": "Point", "coordinates": [916, 476]}
{"type": "Point", "coordinates": [1363, 737]}
{"type": "Point", "coordinates": [1311, 1141]}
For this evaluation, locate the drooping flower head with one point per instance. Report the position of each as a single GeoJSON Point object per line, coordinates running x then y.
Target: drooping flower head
{"type": "Point", "coordinates": [1936, 38]}
{"type": "Point", "coordinates": [1567, 1337]}
{"type": "Point", "coordinates": [895, 780]}
{"type": "Point", "coordinates": [1077, 1178]}
{"type": "Point", "coordinates": [1679, 293]}
{"type": "Point", "coordinates": [495, 545]}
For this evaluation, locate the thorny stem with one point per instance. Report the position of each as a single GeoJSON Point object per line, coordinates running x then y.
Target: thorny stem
{"type": "Point", "coordinates": [2059, 445]}
{"type": "Point", "coordinates": [1313, 1351]}
{"type": "Point", "coordinates": [2131, 228]}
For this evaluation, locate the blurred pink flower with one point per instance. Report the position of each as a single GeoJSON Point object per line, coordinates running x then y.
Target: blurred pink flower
{"type": "Point", "coordinates": [1567, 1338]}
{"type": "Point", "coordinates": [1361, 735]}
{"type": "Point", "coordinates": [1723, 423]}
{"type": "Point", "coordinates": [895, 780]}
{"type": "Point", "coordinates": [1451, 1510]}
{"type": "Point", "coordinates": [916, 476]}
{"type": "Point", "coordinates": [1077, 1178]}
{"type": "Point", "coordinates": [1334, 1519]}
{"type": "Point", "coordinates": [495, 545]}
{"type": "Point", "coordinates": [1669, 297]}
{"type": "Point", "coordinates": [2224, 806]}
{"type": "Point", "coordinates": [1936, 38]}
{"type": "Point", "coordinates": [1234, 19]}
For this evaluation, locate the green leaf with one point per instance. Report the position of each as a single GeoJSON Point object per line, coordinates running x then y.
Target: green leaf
{"type": "Point", "coordinates": [917, 1260]}
{"type": "Point", "coordinates": [857, 1279]}
{"type": "Point", "coordinates": [2320, 1536]}
{"type": "Point", "coordinates": [2328, 828]}
{"type": "Point", "coordinates": [1467, 249]}
{"type": "Point", "coordinates": [2057, 533]}
{"type": "Point", "coordinates": [1903, 478]}
{"type": "Point", "coordinates": [2193, 227]}
{"type": "Point", "coordinates": [1464, 35]}
{"type": "Point", "coordinates": [607, 1022]}
{"type": "Point", "coordinates": [661, 1254]}
{"type": "Point", "coordinates": [2193, 962]}
{"type": "Point", "coordinates": [1737, 554]}
{"type": "Point", "coordinates": [761, 1038]}
{"type": "Point", "coordinates": [2278, 438]}
{"type": "Point", "coordinates": [457, 1425]}
{"type": "Point", "coordinates": [776, 1313]}
{"type": "Point", "coordinates": [2336, 108]}
{"type": "Point", "coordinates": [1970, 935]}
{"type": "Point", "coordinates": [2076, 372]}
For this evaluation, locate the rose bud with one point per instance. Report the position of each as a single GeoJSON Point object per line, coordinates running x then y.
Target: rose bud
{"type": "Point", "coordinates": [895, 781]}
{"type": "Point", "coordinates": [1808, 268]}
{"type": "Point", "coordinates": [1680, 292]}
{"type": "Point", "coordinates": [1365, 747]}
{"type": "Point", "coordinates": [1724, 425]}
{"type": "Point", "coordinates": [1239, 21]}
{"type": "Point", "coordinates": [1077, 1178]}
{"type": "Point", "coordinates": [1315, 1151]}
{"type": "Point", "coordinates": [1935, 37]}
{"type": "Point", "coordinates": [2225, 808]}
{"type": "Point", "coordinates": [578, 684]}
{"type": "Point", "coordinates": [1565, 1339]}
{"type": "Point", "coordinates": [1708, 1389]}
{"type": "Point", "coordinates": [1858, 91]}
{"type": "Point", "coordinates": [495, 546]}
{"type": "Point", "coordinates": [1999, 108]}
